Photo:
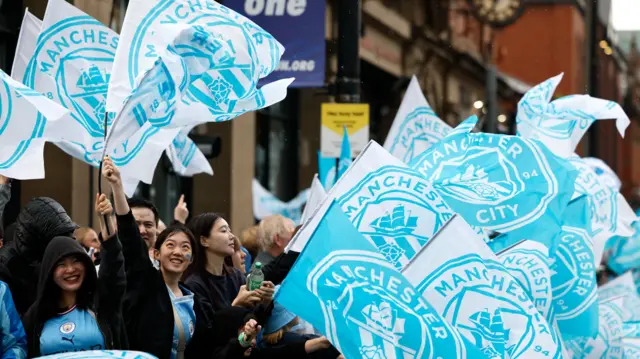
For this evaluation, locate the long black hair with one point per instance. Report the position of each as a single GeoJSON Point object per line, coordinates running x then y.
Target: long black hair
{"type": "Point", "coordinates": [201, 226]}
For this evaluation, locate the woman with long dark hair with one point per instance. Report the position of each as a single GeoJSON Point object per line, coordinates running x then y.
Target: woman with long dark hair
{"type": "Point", "coordinates": [163, 317]}
{"type": "Point", "coordinates": [74, 309]}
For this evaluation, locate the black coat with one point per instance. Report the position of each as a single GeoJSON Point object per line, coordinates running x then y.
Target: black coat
{"type": "Point", "coordinates": [148, 311]}
{"type": "Point", "coordinates": [103, 296]}
{"type": "Point", "coordinates": [38, 222]}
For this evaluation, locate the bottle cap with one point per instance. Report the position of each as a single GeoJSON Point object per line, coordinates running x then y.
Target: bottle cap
{"type": "Point", "coordinates": [258, 265]}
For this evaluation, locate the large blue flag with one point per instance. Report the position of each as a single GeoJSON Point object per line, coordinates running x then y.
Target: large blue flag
{"type": "Point", "coordinates": [501, 183]}
{"type": "Point", "coordinates": [346, 289]}
{"type": "Point", "coordinates": [608, 342]}
{"type": "Point", "coordinates": [468, 285]}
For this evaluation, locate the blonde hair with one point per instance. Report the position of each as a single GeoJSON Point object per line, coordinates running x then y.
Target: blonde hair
{"type": "Point", "coordinates": [250, 240]}
{"type": "Point", "coordinates": [276, 336]}
{"type": "Point", "coordinates": [81, 232]}
{"type": "Point", "coordinates": [269, 227]}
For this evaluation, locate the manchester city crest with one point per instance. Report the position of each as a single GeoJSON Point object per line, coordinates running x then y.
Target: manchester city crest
{"type": "Point", "coordinates": [77, 55]}
{"type": "Point", "coordinates": [419, 130]}
{"type": "Point", "coordinates": [5, 106]}
{"type": "Point", "coordinates": [574, 282]}
{"type": "Point", "coordinates": [67, 328]}
{"type": "Point", "coordinates": [225, 92]}
{"type": "Point", "coordinates": [397, 210]}
{"type": "Point", "coordinates": [479, 298]}
{"type": "Point", "coordinates": [389, 321]}
{"type": "Point", "coordinates": [496, 182]}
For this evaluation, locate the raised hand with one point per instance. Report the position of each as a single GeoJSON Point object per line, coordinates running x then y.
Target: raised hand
{"type": "Point", "coordinates": [181, 212]}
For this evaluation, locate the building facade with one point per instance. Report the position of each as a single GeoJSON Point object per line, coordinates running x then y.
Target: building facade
{"type": "Point", "coordinates": [438, 41]}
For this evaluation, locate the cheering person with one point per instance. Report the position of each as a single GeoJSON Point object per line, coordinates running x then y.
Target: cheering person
{"type": "Point", "coordinates": [163, 317]}
{"type": "Point", "coordinates": [74, 310]}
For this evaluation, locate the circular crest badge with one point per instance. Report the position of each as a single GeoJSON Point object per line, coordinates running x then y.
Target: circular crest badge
{"type": "Point", "coordinates": [354, 286]}
{"type": "Point", "coordinates": [77, 54]}
{"type": "Point", "coordinates": [489, 308]}
{"type": "Point", "coordinates": [498, 183]}
{"type": "Point", "coordinates": [397, 209]}
{"type": "Point", "coordinates": [223, 91]}
{"type": "Point", "coordinates": [573, 276]}
{"type": "Point", "coordinates": [419, 130]}
{"type": "Point", "coordinates": [67, 328]}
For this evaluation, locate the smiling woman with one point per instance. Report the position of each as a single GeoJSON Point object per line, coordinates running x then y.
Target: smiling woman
{"type": "Point", "coordinates": [74, 310]}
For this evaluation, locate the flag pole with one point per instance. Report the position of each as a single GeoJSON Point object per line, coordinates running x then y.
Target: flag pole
{"type": "Point", "coordinates": [106, 219]}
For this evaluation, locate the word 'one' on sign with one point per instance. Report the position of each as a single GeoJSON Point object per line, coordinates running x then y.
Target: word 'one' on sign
{"type": "Point", "coordinates": [336, 116]}
{"type": "Point", "coordinates": [275, 7]}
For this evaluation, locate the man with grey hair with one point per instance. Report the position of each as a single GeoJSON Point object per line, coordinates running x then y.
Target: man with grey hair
{"type": "Point", "coordinates": [274, 233]}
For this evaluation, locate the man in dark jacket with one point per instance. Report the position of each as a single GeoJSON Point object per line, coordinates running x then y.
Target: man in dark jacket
{"type": "Point", "coordinates": [38, 222]}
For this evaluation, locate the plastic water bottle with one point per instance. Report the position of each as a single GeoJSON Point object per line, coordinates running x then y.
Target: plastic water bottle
{"type": "Point", "coordinates": [255, 278]}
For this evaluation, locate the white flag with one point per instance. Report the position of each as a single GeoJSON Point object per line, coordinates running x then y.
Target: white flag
{"type": "Point", "coordinates": [560, 124]}
{"type": "Point", "coordinates": [29, 31]}
{"type": "Point", "coordinates": [316, 196]}
{"type": "Point", "coordinates": [186, 157]}
{"type": "Point", "coordinates": [605, 172]}
{"type": "Point", "coordinates": [23, 117]}
{"type": "Point", "coordinates": [267, 204]}
{"type": "Point", "coordinates": [213, 76]}
{"type": "Point", "coordinates": [416, 127]}
{"type": "Point", "coordinates": [468, 285]}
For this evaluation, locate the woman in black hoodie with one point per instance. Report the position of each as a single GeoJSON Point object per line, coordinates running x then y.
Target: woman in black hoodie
{"type": "Point", "coordinates": [74, 310]}
{"type": "Point", "coordinates": [162, 315]}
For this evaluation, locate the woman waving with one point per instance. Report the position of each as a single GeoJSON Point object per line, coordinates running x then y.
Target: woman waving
{"type": "Point", "coordinates": [163, 317]}
{"type": "Point", "coordinates": [75, 310]}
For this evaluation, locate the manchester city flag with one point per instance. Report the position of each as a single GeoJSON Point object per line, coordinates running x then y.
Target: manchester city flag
{"type": "Point", "coordinates": [560, 124]}
{"type": "Point", "coordinates": [623, 286]}
{"type": "Point", "coordinates": [327, 171]}
{"type": "Point", "coordinates": [317, 194]}
{"type": "Point", "coordinates": [500, 183]}
{"type": "Point", "coordinates": [213, 77]}
{"type": "Point", "coordinates": [416, 126]}
{"type": "Point", "coordinates": [468, 285]}
{"type": "Point", "coordinates": [345, 154]}
{"type": "Point", "coordinates": [391, 205]}
{"type": "Point", "coordinates": [346, 289]}
{"type": "Point", "coordinates": [605, 172]}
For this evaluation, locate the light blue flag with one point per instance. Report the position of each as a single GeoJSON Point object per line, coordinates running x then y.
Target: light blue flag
{"type": "Point", "coordinates": [101, 354]}
{"type": "Point", "coordinates": [500, 183]}
{"type": "Point", "coordinates": [574, 274]}
{"type": "Point", "coordinates": [212, 78]}
{"type": "Point", "coordinates": [391, 205]}
{"type": "Point", "coordinates": [345, 154]}
{"type": "Point", "coordinates": [346, 289]}
{"type": "Point", "coordinates": [605, 172]}
{"type": "Point", "coordinates": [608, 342]}
{"type": "Point", "coordinates": [267, 204]}
{"type": "Point", "coordinates": [623, 286]}
{"type": "Point", "coordinates": [611, 214]}
{"type": "Point", "coordinates": [560, 124]}
{"type": "Point", "coordinates": [327, 171]}
{"type": "Point", "coordinates": [468, 285]}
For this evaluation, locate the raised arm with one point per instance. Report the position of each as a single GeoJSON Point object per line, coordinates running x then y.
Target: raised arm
{"type": "Point", "coordinates": [112, 283]}
{"type": "Point", "coordinates": [136, 254]}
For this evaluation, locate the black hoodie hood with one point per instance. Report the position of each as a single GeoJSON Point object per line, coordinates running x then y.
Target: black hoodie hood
{"type": "Point", "coordinates": [38, 222]}
{"type": "Point", "coordinates": [48, 291]}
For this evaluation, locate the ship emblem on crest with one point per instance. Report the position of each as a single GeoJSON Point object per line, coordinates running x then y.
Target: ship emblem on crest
{"type": "Point", "coordinates": [90, 98]}
{"type": "Point", "coordinates": [391, 229]}
{"type": "Point", "coordinates": [489, 333]}
{"type": "Point", "coordinates": [473, 184]}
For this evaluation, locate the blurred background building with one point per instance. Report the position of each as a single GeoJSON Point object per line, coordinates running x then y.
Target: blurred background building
{"type": "Point", "coordinates": [440, 41]}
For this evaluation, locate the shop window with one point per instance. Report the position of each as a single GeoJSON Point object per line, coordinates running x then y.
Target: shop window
{"type": "Point", "coordinates": [277, 139]}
